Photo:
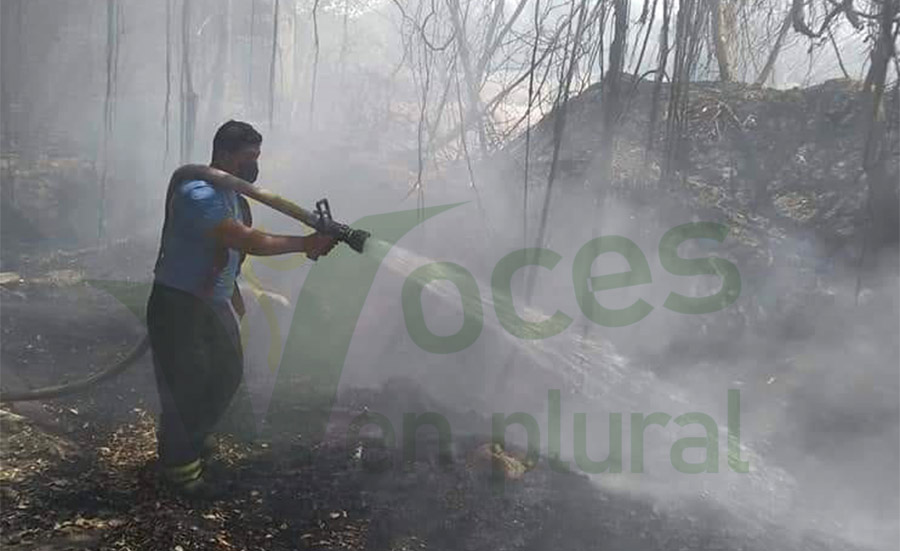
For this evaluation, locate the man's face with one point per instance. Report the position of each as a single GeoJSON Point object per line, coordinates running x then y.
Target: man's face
{"type": "Point", "coordinates": [246, 163]}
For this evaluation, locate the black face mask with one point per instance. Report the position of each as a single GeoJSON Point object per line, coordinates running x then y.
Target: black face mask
{"type": "Point", "coordinates": [248, 170]}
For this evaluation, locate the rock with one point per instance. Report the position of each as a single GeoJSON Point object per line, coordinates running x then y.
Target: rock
{"type": "Point", "coordinates": [10, 422]}
{"type": "Point", "coordinates": [489, 458]}
{"type": "Point", "coordinates": [9, 278]}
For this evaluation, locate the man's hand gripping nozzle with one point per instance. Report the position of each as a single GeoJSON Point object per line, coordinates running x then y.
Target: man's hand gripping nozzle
{"type": "Point", "coordinates": [342, 232]}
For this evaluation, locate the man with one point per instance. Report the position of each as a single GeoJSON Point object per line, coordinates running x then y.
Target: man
{"type": "Point", "coordinates": [197, 355]}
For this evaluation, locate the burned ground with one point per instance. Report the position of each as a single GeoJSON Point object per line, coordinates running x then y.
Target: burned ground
{"type": "Point", "coordinates": [80, 472]}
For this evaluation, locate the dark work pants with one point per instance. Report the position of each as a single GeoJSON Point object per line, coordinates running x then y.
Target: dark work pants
{"type": "Point", "coordinates": [198, 362]}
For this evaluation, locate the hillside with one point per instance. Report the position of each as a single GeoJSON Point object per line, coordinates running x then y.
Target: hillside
{"type": "Point", "coordinates": [771, 161]}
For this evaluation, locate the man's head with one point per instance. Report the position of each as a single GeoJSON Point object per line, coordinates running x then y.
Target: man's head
{"type": "Point", "coordinates": [236, 150]}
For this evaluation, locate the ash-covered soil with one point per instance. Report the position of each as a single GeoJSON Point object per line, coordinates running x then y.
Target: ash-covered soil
{"type": "Point", "coordinates": [79, 473]}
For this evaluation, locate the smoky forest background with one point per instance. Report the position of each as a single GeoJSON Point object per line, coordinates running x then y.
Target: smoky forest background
{"type": "Point", "coordinates": [550, 122]}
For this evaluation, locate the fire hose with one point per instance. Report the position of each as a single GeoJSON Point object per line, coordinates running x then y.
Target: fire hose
{"type": "Point", "coordinates": [319, 219]}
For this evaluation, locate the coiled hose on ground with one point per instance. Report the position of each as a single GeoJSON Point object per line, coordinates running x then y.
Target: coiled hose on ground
{"type": "Point", "coordinates": [59, 391]}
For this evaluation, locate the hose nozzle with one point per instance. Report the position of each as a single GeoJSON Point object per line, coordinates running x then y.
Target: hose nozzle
{"type": "Point", "coordinates": [355, 238]}
{"type": "Point", "coordinates": [325, 224]}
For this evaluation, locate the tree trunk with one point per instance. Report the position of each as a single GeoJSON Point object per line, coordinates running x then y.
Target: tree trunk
{"type": "Point", "coordinates": [220, 66]}
{"type": "Point", "coordinates": [721, 28]}
{"type": "Point", "coordinates": [112, 58]}
{"type": "Point", "coordinates": [188, 96]}
{"type": "Point", "coordinates": [272, 65]}
{"type": "Point", "coordinates": [167, 107]}
{"type": "Point", "coordinates": [882, 193]}
{"type": "Point", "coordinates": [776, 49]}
{"type": "Point", "coordinates": [612, 93]}
{"type": "Point", "coordinates": [12, 85]}
{"type": "Point", "coordinates": [662, 62]}
{"type": "Point", "coordinates": [473, 85]}
{"type": "Point", "coordinates": [315, 64]}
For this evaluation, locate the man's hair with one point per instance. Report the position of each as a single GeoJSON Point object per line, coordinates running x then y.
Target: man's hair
{"type": "Point", "coordinates": [232, 136]}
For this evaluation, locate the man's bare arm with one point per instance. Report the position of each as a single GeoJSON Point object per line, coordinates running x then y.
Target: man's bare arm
{"type": "Point", "coordinates": [234, 235]}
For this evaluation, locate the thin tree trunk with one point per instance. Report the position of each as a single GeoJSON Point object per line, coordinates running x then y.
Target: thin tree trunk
{"type": "Point", "coordinates": [188, 96]}
{"type": "Point", "coordinates": [272, 65]}
{"type": "Point", "coordinates": [472, 86]}
{"type": "Point", "coordinates": [537, 8]}
{"type": "Point", "coordinates": [297, 62]}
{"type": "Point", "coordinates": [112, 56]}
{"type": "Point", "coordinates": [720, 30]}
{"type": "Point", "coordinates": [492, 47]}
{"type": "Point", "coordinates": [612, 80]}
{"type": "Point", "coordinates": [881, 198]}
{"type": "Point", "coordinates": [662, 62]}
{"type": "Point", "coordinates": [315, 63]}
{"type": "Point", "coordinates": [12, 97]}
{"type": "Point", "coordinates": [840, 59]}
{"type": "Point", "coordinates": [166, 115]}
{"type": "Point", "coordinates": [559, 128]}
{"type": "Point", "coordinates": [882, 195]}
{"type": "Point", "coordinates": [492, 103]}
{"type": "Point", "coordinates": [220, 72]}
{"type": "Point", "coordinates": [342, 56]}
{"type": "Point", "coordinates": [688, 35]}
{"type": "Point", "coordinates": [776, 49]}
{"type": "Point", "coordinates": [645, 19]}
{"type": "Point", "coordinates": [250, 55]}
